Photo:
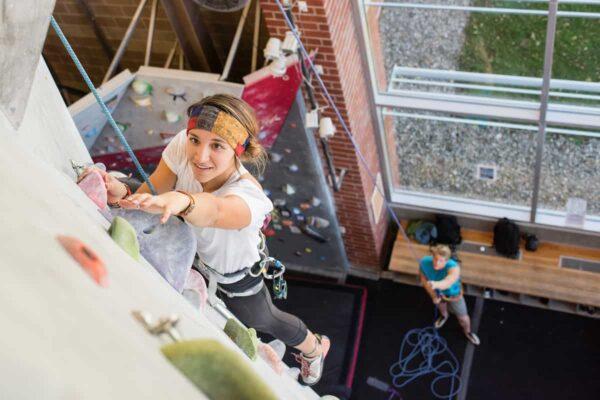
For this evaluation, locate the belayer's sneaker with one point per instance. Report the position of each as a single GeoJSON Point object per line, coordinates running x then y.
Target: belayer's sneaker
{"type": "Point", "coordinates": [311, 368]}
{"type": "Point", "coordinates": [473, 338]}
{"type": "Point", "coordinates": [440, 321]}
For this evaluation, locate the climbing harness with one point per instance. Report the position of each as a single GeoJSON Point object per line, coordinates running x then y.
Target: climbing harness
{"type": "Point", "coordinates": [103, 107]}
{"type": "Point", "coordinates": [269, 267]}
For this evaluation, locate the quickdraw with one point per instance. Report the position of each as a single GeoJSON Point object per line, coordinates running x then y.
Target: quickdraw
{"type": "Point", "coordinates": [270, 268]}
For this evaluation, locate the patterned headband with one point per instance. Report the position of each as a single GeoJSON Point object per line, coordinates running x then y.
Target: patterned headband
{"type": "Point", "coordinates": [212, 119]}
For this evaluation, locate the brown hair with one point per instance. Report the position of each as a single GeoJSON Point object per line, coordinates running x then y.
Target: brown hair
{"type": "Point", "coordinates": [255, 154]}
{"type": "Point", "coordinates": [441, 250]}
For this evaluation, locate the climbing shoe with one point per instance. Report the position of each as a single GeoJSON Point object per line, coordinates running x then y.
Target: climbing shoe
{"type": "Point", "coordinates": [440, 321]}
{"type": "Point", "coordinates": [473, 338]}
{"type": "Point", "coordinates": [311, 368]}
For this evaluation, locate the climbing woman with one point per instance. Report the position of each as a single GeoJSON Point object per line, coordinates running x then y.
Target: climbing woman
{"type": "Point", "coordinates": [440, 276]}
{"type": "Point", "coordinates": [201, 178]}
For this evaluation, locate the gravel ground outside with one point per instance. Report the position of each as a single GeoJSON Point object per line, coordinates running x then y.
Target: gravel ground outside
{"type": "Point", "coordinates": [438, 157]}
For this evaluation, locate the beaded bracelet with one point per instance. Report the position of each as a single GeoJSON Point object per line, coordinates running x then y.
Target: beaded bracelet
{"type": "Point", "coordinates": [189, 208]}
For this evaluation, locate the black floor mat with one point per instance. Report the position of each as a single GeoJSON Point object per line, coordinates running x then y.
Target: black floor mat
{"type": "Point", "coordinates": [392, 310]}
{"type": "Point", "coordinates": [525, 353]}
{"type": "Point", "coordinates": [530, 353]}
{"type": "Point", "coordinates": [333, 310]}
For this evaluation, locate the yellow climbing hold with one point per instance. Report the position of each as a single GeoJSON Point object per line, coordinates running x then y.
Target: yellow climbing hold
{"type": "Point", "coordinates": [125, 236]}
{"type": "Point", "coordinates": [244, 337]}
{"type": "Point", "coordinates": [219, 372]}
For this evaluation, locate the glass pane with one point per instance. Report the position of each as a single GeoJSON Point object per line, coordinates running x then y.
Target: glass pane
{"type": "Point", "coordinates": [577, 55]}
{"type": "Point", "coordinates": [478, 41]}
{"type": "Point", "coordinates": [506, 44]}
{"type": "Point", "coordinates": [570, 169]}
{"type": "Point", "coordinates": [460, 158]}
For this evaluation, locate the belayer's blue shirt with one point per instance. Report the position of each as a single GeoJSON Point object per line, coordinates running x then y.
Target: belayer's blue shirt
{"type": "Point", "coordinates": [426, 266]}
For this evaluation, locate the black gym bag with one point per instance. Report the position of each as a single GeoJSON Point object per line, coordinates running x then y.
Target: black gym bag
{"type": "Point", "coordinates": [507, 238]}
{"type": "Point", "coordinates": [448, 230]}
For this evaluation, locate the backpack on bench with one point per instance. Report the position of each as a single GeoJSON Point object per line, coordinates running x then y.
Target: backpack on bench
{"type": "Point", "coordinates": [448, 230]}
{"type": "Point", "coordinates": [506, 238]}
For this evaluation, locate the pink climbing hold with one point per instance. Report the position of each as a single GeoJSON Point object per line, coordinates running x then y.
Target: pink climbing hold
{"type": "Point", "coordinates": [195, 289]}
{"type": "Point", "coordinates": [270, 356]}
{"type": "Point", "coordinates": [94, 187]}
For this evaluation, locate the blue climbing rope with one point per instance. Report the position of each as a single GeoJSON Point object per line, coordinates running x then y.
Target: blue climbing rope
{"type": "Point", "coordinates": [103, 107]}
{"type": "Point", "coordinates": [422, 352]}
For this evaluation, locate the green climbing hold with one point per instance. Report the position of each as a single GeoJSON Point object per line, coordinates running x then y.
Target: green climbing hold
{"type": "Point", "coordinates": [244, 337]}
{"type": "Point", "coordinates": [219, 372]}
{"type": "Point", "coordinates": [125, 236]}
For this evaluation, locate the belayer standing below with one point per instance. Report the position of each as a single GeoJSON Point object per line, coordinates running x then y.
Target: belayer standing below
{"type": "Point", "coordinates": [201, 178]}
{"type": "Point", "coordinates": [440, 276]}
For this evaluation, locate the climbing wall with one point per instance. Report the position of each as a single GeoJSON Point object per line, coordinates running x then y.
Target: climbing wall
{"type": "Point", "coordinates": [297, 185]}
{"type": "Point", "coordinates": [86, 112]}
{"type": "Point", "coordinates": [23, 26]}
{"type": "Point", "coordinates": [149, 119]}
{"type": "Point", "coordinates": [63, 336]}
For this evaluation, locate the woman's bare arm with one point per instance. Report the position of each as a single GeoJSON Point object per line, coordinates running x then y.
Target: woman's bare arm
{"type": "Point", "coordinates": [162, 178]}
{"type": "Point", "coordinates": [427, 286]}
{"type": "Point", "coordinates": [229, 212]}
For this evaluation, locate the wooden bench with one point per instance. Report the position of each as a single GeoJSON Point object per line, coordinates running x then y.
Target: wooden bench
{"type": "Point", "coordinates": [535, 274]}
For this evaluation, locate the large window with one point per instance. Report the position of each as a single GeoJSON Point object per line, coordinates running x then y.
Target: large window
{"type": "Point", "coordinates": [472, 116]}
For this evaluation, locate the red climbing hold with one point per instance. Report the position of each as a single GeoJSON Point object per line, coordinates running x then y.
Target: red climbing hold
{"type": "Point", "coordinates": [269, 232]}
{"type": "Point", "coordinates": [86, 257]}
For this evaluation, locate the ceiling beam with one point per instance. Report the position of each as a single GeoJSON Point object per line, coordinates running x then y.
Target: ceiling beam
{"type": "Point", "coordinates": [192, 35]}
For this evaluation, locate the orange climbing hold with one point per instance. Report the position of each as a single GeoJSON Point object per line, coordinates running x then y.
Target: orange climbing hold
{"type": "Point", "coordinates": [86, 257]}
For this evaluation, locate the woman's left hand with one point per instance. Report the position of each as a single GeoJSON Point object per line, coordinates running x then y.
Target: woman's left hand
{"type": "Point", "coordinates": [433, 285]}
{"type": "Point", "coordinates": [166, 204]}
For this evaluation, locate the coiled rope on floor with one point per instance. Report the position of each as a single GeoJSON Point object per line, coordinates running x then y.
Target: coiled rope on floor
{"type": "Point", "coordinates": [103, 107]}
{"type": "Point", "coordinates": [424, 351]}
{"type": "Point", "coordinates": [425, 343]}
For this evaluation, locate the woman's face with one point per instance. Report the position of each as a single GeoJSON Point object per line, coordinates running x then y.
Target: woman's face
{"type": "Point", "coordinates": [208, 154]}
{"type": "Point", "coordinates": [439, 262]}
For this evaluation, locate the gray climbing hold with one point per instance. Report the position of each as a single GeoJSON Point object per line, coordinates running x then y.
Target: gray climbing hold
{"type": "Point", "coordinates": [170, 248]}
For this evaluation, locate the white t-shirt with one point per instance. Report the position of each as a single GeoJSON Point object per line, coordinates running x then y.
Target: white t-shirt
{"type": "Point", "coordinates": [225, 250]}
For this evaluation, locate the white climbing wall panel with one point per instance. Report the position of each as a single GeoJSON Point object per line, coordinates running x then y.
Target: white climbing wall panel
{"type": "Point", "coordinates": [64, 337]}
{"type": "Point", "coordinates": [47, 130]}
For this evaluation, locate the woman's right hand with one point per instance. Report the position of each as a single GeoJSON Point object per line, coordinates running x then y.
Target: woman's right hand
{"type": "Point", "coordinates": [167, 204]}
{"type": "Point", "coordinates": [115, 189]}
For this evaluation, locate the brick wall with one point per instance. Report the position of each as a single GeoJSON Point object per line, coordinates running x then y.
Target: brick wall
{"type": "Point", "coordinates": [113, 18]}
{"type": "Point", "coordinates": [330, 26]}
